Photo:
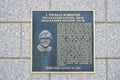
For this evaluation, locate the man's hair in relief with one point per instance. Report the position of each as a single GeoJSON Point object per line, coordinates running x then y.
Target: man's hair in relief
{"type": "Point", "coordinates": [45, 33]}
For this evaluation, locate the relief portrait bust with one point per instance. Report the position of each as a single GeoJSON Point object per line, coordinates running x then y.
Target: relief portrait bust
{"type": "Point", "coordinates": [45, 39]}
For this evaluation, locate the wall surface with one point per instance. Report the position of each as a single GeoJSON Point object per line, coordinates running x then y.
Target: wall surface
{"type": "Point", "coordinates": [15, 38]}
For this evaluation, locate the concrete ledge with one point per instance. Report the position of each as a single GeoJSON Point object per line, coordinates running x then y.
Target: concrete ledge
{"type": "Point", "coordinates": [19, 10]}
{"type": "Point", "coordinates": [113, 10]}
{"type": "Point", "coordinates": [18, 70]}
{"type": "Point", "coordinates": [107, 40]}
{"type": "Point", "coordinates": [113, 40]}
{"type": "Point", "coordinates": [101, 36]}
{"type": "Point", "coordinates": [113, 69]}
{"type": "Point", "coordinates": [10, 40]}
{"type": "Point", "coordinates": [99, 75]}
{"type": "Point", "coordinates": [97, 5]}
{"type": "Point", "coordinates": [26, 31]}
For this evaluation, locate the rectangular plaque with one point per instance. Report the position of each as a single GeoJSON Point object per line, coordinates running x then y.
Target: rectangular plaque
{"type": "Point", "coordinates": [63, 41]}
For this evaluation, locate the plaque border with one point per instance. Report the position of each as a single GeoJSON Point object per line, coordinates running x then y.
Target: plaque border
{"type": "Point", "coordinates": [53, 72]}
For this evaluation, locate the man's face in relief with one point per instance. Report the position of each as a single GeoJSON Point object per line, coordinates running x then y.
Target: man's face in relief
{"type": "Point", "coordinates": [45, 41]}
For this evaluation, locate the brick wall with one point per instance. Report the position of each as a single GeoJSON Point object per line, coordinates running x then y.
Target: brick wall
{"type": "Point", "coordinates": [15, 38]}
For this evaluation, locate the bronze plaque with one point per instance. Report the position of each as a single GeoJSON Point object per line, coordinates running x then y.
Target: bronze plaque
{"type": "Point", "coordinates": [62, 42]}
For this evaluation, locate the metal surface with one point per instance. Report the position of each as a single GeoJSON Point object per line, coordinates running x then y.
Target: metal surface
{"type": "Point", "coordinates": [62, 42]}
